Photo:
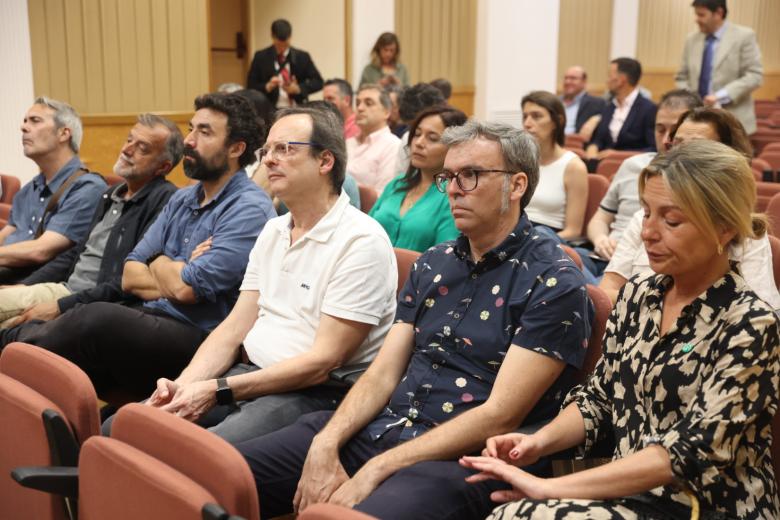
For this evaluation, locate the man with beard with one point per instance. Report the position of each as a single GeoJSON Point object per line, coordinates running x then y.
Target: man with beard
{"type": "Point", "coordinates": [92, 271]}
{"type": "Point", "coordinates": [188, 266]}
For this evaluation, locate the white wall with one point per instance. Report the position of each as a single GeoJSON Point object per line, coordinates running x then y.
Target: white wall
{"type": "Point", "coordinates": [370, 18]}
{"type": "Point", "coordinates": [17, 90]}
{"type": "Point", "coordinates": [517, 50]}
{"type": "Point", "coordinates": [625, 23]}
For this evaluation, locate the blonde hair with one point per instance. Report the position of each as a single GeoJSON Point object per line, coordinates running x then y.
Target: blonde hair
{"type": "Point", "coordinates": [713, 185]}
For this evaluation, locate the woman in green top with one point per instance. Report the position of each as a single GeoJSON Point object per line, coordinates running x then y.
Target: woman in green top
{"type": "Point", "coordinates": [384, 68]}
{"type": "Point", "coordinates": [414, 213]}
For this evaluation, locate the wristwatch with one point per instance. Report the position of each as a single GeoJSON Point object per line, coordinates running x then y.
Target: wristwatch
{"type": "Point", "coordinates": [224, 393]}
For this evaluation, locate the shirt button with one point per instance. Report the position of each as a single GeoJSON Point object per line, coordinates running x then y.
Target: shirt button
{"type": "Point", "coordinates": [114, 212]}
{"type": "Point", "coordinates": [456, 315]}
{"type": "Point", "coordinates": [416, 403]}
{"type": "Point", "coordinates": [29, 231]}
{"type": "Point", "coordinates": [195, 212]}
{"type": "Point", "coordinates": [186, 240]}
{"type": "Point", "coordinates": [435, 366]}
{"type": "Point", "coordinates": [474, 276]}
{"type": "Point", "coordinates": [41, 199]}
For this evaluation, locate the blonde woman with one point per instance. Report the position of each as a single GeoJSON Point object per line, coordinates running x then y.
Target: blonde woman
{"type": "Point", "coordinates": [687, 386]}
{"type": "Point", "coordinates": [385, 69]}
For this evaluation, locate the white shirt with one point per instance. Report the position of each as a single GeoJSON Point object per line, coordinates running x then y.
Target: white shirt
{"type": "Point", "coordinates": [343, 267]}
{"type": "Point", "coordinates": [373, 161]}
{"type": "Point", "coordinates": [548, 205]}
{"type": "Point", "coordinates": [622, 197]}
{"type": "Point", "coordinates": [754, 257]}
{"type": "Point", "coordinates": [621, 113]}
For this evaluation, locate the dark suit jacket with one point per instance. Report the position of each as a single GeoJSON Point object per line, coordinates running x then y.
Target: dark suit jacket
{"type": "Point", "coordinates": [301, 67]}
{"type": "Point", "coordinates": [637, 132]}
{"type": "Point", "coordinates": [589, 106]}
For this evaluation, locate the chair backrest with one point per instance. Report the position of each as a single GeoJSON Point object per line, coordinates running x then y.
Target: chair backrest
{"type": "Point", "coordinates": [760, 166]}
{"type": "Point", "coordinates": [602, 306]}
{"type": "Point", "coordinates": [621, 154]}
{"type": "Point", "coordinates": [5, 213]}
{"type": "Point", "coordinates": [772, 157]}
{"type": "Point", "coordinates": [608, 167]}
{"type": "Point", "coordinates": [763, 137]}
{"type": "Point", "coordinates": [772, 147]}
{"type": "Point", "coordinates": [774, 243]}
{"type": "Point", "coordinates": [597, 188]}
{"type": "Point", "coordinates": [368, 196]}
{"type": "Point", "coordinates": [574, 255]}
{"type": "Point", "coordinates": [765, 191]}
{"type": "Point", "coordinates": [773, 212]}
{"type": "Point", "coordinates": [33, 380]}
{"type": "Point", "coordinates": [11, 186]}
{"type": "Point", "coordinates": [574, 141]}
{"type": "Point", "coordinates": [404, 258]}
{"type": "Point", "coordinates": [332, 512]}
{"type": "Point", "coordinates": [112, 180]}
{"type": "Point", "coordinates": [157, 465]}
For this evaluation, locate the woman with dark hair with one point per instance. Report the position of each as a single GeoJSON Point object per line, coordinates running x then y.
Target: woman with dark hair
{"type": "Point", "coordinates": [385, 69]}
{"type": "Point", "coordinates": [558, 204]}
{"type": "Point", "coordinates": [715, 124]}
{"type": "Point", "coordinates": [413, 212]}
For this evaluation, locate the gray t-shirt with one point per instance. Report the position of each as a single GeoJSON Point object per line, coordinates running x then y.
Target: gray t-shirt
{"type": "Point", "coordinates": [622, 198]}
{"type": "Point", "coordinates": [85, 274]}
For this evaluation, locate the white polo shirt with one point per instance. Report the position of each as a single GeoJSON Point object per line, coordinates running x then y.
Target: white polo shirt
{"type": "Point", "coordinates": [344, 267]}
{"type": "Point", "coordinates": [754, 257]}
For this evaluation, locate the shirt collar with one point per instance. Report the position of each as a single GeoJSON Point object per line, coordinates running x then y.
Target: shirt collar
{"type": "Point", "coordinates": [235, 183]}
{"type": "Point", "coordinates": [719, 33]}
{"type": "Point", "coordinates": [118, 195]}
{"type": "Point", "coordinates": [324, 228]}
{"type": "Point", "coordinates": [39, 182]}
{"type": "Point", "coordinates": [506, 249]}
{"type": "Point", "coordinates": [376, 134]}
{"type": "Point", "coordinates": [576, 100]}
{"type": "Point", "coordinates": [629, 102]}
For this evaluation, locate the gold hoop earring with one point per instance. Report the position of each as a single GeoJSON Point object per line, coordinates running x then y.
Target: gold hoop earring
{"type": "Point", "coordinates": [720, 249]}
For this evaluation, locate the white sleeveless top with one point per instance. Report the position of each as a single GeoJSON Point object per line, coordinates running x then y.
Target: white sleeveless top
{"type": "Point", "coordinates": [548, 205]}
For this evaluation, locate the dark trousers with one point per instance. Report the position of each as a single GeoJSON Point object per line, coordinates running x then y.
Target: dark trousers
{"type": "Point", "coordinates": [12, 275]}
{"type": "Point", "coordinates": [122, 349]}
{"type": "Point", "coordinates": [427, 490]}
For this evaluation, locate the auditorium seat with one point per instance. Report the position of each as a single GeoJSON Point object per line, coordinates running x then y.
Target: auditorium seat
{"type": "Point", "coordinates": [759, 167]}
{"type": "Point", "coordinates": [405, 258]}
{"type": "Point", "coordinates": [762, 137]}
{"type": "Point", "coordinates": [573, 254]}
{"type": "Point", "coordinates": [608, 167]}
{"type": "Point", "coordinates": [11, 186]}
{"type": "Point", "coordinates": [621, 154]}
{"type": "Point", "coordinates": [602, 306]}
{"type": "Point", "coordinates": [368, 196]}
{"type": "Point", "coordinates": [112, 180]}
{"type": "Point", "coordinates": [157, 465]}
{"type": "Point", "coordinates": [773, 212]}
{"type": "Point", "coordinates": [597, 188]}
{"type": "Point", "coordinates": [48, 408]}
{"type": "Point", "coordinates": [772, 157]}
{"type": "Point", "coordinates": [5, 213]}
{"type": "Point", "coordinates": [575, 141]}
{"type": "Point", "coordinates": [765, 191]}
{"type": "Point", "coordinates": [772, 147]}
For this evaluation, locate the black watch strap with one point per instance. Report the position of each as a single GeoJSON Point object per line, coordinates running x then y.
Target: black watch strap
{"type": "Point", "coordinates": [224, 393]}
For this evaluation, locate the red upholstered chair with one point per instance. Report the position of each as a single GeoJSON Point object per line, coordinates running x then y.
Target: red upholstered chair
{"type": "Point", "coordinates": [621, 154]}
{"type": "Point", "coordinates": [11, 186]}
{"type": "Point", "coordinates": [112, 180]}
{"type": "Point", "coordinates": [405, 258]}
{"type": "Point", "coordinates": [772, 147]}
{"type": "Point", "coordinates": [760, 166]}
{"type": "Point", "coordinates": [368, 196]}
{"type": "Point", "coordinates": [608, 167]}
{"type": "Point", "coordinates": [574, 141]}
{"type": "Point", "coordinates": [5, 212]}
{"type": "Point", "coordinates": [774, 243]}
{"type": "Point", "coordinates": [773, 212]}
{"type": "Point", "coordinates": [40, 391]}
{"type": "Point", "coordinates": [765, 191]}
{"type": "Point", "coordinates": [597, 188]}
{"type": "Point", "coordinates": [772, 157]}
{"type": "Point", "coordinates": [332, 512]}
{"type": "Point", "coordinates": [156, 465]}
{"type": "Point", "coordinates": [602, 306]}
{"type": "Point", "coordinates": [763, 137]}
{"type": "Point", "coordinates": [573, 254]}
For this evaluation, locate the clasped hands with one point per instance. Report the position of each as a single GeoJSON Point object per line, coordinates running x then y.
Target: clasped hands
{"type": "Point", "coordinates": [190, 401]}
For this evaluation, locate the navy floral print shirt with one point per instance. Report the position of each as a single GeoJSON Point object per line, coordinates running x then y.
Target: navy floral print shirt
{"type": "Point", "coordinates": [525, 293]}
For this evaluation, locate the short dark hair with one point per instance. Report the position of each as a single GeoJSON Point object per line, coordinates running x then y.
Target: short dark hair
{"type": "Point", "coordinates": [263, 109]}
{"type": "Point", "coordinates": [344, 87]}
{"type": "Point", "coordinates": [444, 86]}
{"type": "Point", "coordinates": [414, 99]}
{"type": "Point", "coordinates": [328, 132]}
{"type": "Point", "coordinates": [281, 29]}
{"type": "Point", "coordinates": [729, 129]}
{"type": "Point", "coordinates": [450, 116]}
{"type": "Point", "coordinates": [242, 122]}
{"type": "Point", "coordinates": [630, 67]}
{"type": "Point", "coordinates": [680, 98]}
{"type": "Point", "coordinates": [554, 107]}
{"type": "Point", "coordinates": [321, 104]}
{"type": "Point", "coordinates": [712, 5]}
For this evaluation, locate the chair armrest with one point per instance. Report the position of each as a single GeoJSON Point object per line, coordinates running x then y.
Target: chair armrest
{"type": "Point", "coordinates": [347, 375]}
{"type": "Point", "coordinates": [57, 480]}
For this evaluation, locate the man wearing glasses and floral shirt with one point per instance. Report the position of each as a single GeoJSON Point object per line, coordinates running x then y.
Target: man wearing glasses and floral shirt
{"type": "Point", "coordinates": [489, 333]}
{"type": "Point", "coordinates": [318, 293]}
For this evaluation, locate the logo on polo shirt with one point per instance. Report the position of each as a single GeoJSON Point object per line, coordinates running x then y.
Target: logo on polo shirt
{"type": "Point", "coordinates": [306, 286]}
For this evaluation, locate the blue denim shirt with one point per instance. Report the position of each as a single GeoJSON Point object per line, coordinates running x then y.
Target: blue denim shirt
{"type": "Point", "coordinates": [73, 215]}
{"type": "Point", "coordinates": [525, 293]}
{"type": "Point", "coordinates": [234, 218]}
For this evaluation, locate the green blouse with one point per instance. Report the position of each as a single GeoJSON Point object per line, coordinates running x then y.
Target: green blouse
{"type": "Point", "coordinates": [372, 74]}
{"type": "Point", "coordinates": [427, 223]}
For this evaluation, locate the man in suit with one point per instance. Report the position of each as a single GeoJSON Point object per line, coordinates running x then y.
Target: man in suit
{"type": "Point", "coordinates": [722, 62]}
{"type": "Point", "coordinates": [627, 122]}
{"type": "Point", "coordinates": [285, 74]}
{"type": "Point", "coordinates": [580, 106]}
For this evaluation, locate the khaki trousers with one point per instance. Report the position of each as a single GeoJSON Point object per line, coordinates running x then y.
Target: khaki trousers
{"type": "Point", "coordinates": [15, 299]}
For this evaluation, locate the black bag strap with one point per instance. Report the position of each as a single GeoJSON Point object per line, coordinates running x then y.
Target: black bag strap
{"type": "Point", "coordinates": [55, 199]}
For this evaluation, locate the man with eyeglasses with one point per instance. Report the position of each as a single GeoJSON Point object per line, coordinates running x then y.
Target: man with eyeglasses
{"type": "Point", "coordinates": [489, 334]}
{"type": "Point", "coordinates": [186, 268]}
{"type": "Point", "coordinates": [319, 292]}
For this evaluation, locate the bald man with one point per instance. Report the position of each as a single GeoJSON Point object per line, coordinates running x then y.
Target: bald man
{"type": "Point", "coordinates": [580, 106]}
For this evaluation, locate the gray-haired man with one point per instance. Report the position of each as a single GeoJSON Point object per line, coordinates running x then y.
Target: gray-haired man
{"type": "Point", "coordinates": [488, 335]}
{"type": "Point", "coordinates": [35, 233]}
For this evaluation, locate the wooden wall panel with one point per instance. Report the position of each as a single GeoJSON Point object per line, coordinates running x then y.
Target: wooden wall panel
{"type": "Point", "coordinates": [120, 56]}
{"type": "Point", "coordinates": [438, 39]}
{"type": "Point", "coordinates": [584, 38]}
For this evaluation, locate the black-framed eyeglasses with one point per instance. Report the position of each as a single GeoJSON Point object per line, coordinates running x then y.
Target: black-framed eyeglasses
{"type": "Point", "coordinates": [282, 149]}
{"type": "Point", "coordinates": [466, 178]}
